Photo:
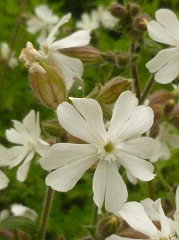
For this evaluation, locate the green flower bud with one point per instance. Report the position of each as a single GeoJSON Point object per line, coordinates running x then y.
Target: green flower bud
{"type": "Point", "coordinates": [107, 226]}
{"type": "Point", "coordinates": [140, 23]}
{"type": "Point", "coordinates": [133, 9]}
{"type": "Point", "coordinates": [117, 10]}
{"type": "Point", "coordinates": [86, 54]}
{"type": "Point", "coordinates": [49, 87]}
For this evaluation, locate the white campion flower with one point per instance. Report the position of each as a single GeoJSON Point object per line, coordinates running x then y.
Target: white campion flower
{"type": "Point", "coordinates": [106, 18]}
{"type": "Point", "coordinates": [121, 144]}
{"type": "Point", "coordinates": [44, 20]}
{"type": "Point", "coordinates": [27, 136]}
{"type": "Point", "coordinates": [20, 210]}
{"type": "Point", "coordinates": [165, 30]}
{"type": "Point", "coordinates": [4, 181]}
{"type": "Point", "coordinates": [4, 54]}
{"type": "Point", "coordinates": [167, 138]}
{"type": "Point", "coordinates": [89, 22]}
{"type": "Point", "coordinates": [71, 68]}
{"type": "Point", "coordinates": [135, 215]}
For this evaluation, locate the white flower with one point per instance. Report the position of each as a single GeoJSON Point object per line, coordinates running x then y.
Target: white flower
{"type": "Point", "coordinates": [71, 68]}
{"type": "Point", "coordinates": [89, 22]}
{"type": "Point", "coordinates": [5, 52]}
{"type": "Point", "coordinates": [27, 136]}
{"type": "Point", "coordinates": [4, 181]}
{"type": "Point", "coordinates": [20, 210]}
{"type": "Point", "coordinates": [165, 30]}
{"type": "Point", "coordinates": [167, 139]}
{"type": "Point", "coordinates": [44, 20]}
{"type": "Point", "coordinates": [106, 18]}
{"type": "Point", "coordinates": [134, 214]}
{"type": "Point", "coordinates": [121, 144]}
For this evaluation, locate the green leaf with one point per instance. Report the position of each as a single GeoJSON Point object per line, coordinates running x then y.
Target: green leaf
{"type": "Point", "coordinates": [20, 223]}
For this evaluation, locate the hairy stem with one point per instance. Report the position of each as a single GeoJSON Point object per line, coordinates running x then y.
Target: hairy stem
{"type": "Point", "coordinates": [45, 213]}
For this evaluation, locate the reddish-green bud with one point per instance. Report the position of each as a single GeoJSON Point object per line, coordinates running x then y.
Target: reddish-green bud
{"type": "Point", "coordinates": [161, 97]}
{"type": "Point", "coordinates": [133, 9]}
{"type": "Point", "coordinates": [86, 54]}
{"type": "Point", "coordinates": [140, 23]}
{"type": "Point", "coordinates": [49, 87]}
{"type": "Point", "coordinates": [112, 89]}
{"type": "Point", "coordinates": [168, 108]}
{"type": "Point", "coordinates": [107, 226]}
{"type": "Point", "coordinates": [117, 10]}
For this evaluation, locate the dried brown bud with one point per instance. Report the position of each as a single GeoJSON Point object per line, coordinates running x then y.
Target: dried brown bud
{"type": "Point", "coordinates": [117, 10]}
{"type": "Point", "coordinates": [140, 23]}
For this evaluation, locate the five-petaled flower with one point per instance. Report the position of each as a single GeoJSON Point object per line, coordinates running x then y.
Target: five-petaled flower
{"type": "Point", "coordinates": [165, 30]}
{"type": "Point", "coordinates": [121, 144]}
{"type": "Point", "coordinates": [27, 136]}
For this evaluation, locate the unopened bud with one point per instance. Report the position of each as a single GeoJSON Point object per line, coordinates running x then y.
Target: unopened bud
{"type": "Point", "coordinates": [112, 89]}
{"type": "Point", "coordinates": [107, 226]}
{"type": "Point", "coordinates": [161, 97]}
{"type": "Point", "coordinates": [49, 87]}
{"type": "Point", "coordinates": [168, 108]}
{"type": "Point", "coordinates": [117, 10]}
{"type": "Point", "coordinates": [109, 57]}
{"type": "Point", "coordinates": [122, 59]}
{"type": "Point", "coordinates": [133, 8]}
{"type": "Point", "coordinates": [140, 23]}
{"type": "Point", "coordinates": [86, 54]}
{"type": "Point", "coordinates": [174, 116]}
{"type": "Point", "coordinates": [53, 128]}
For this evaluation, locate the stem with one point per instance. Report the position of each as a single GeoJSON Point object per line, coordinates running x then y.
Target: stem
{"type": "Point", "coordinates": [151, 190]}
{"type": "Point", "coordinates": [147, 89]}
{"type": "Point", "coordinates": [135, 74]}
{"type": "Point", "coordinates": [45, 213]}
{"type": "Point", "coordinates": [94, 215]}
{"type": "Point", "coordinates": [11, 45]}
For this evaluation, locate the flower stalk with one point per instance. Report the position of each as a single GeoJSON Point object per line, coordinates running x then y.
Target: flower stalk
{"type": "Point", "coordinates": [45, 213]}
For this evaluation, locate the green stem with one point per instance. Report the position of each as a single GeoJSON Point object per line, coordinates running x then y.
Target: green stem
{"type": "Point", "coordinates": [94, 215]}
{"type": "Point", "coordinates": [147, 89]}
{"type": "Point", "coordinates": [135, 74]}
{"type": "Point", "coordinates": [151, 190]}
{"type": "Point", "coordinates": [45, 213]}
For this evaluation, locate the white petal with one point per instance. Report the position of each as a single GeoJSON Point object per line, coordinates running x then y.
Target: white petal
{"type": "Point", "coordinates": [164, 221]}
{"type": "Point", "coordinates": [122, 111]}
{"type": "Point", "coordinates": [115, 237]}
{"type": "Point", "coordinates": [148, 207]}
{"type": "Point", "coordinates": [160, 34]}
{"type": "Point", "coordinates": [4, 181]}
{"type": "Point", "coordinates": [22, 130]}
{"type": "Point", "coordinates": [140, 121]}
{"type": "Point", "coordinates": [70, 119]}
{"type": "Point", "coordinates": [116, 191]}
{"type": "Point", "coordinates": [65, 178]}
{"type": "Point", "coordinates": [169, 72]}
{"type": "Point", "coordinates": [52, 34]}
{"type": "Point", "coordinates": [31, 121]}
{"type": "Point", "coordinates": [166, 154]}
{"type": "Point", "coordinates": [99, 184]}
{"type": "Point", "coordinates": [133, 213]}
{"type": "Point", "coordinates": [4, 161]}
{"type": "Point", "coordinates": [77, 39]}
{"type": "Point", "coordinates": [61, 154]}
{"type": "Point", "coordinates": [42, 147]}
{"type": "Point", "coordinates": [169, 21]}
{"type": "Point", "coordinates": [92, 113]}
{"type": "Point", "coordinates": [16, 155]}
{"type": "Point", "coordinates": [177, 198]}
{"type": "Point", "coordinates": [139, 168]}
{"type": "Point", "coordinates": [131, 178]}
{"type": "Point", "coordinates": [143, 147]}
{"type": "Point", "coordinates": [23, 170]}
{"type": "Point", "coordinates": [14, 136]}
{"type": "Point", "coordinates": [162, 58]}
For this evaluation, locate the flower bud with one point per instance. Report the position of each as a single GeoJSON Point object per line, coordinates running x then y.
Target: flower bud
{"type": "Point", "coordinates": [109, 57]}
{"type": "Point", "coordinates": [161, 97]}
{"type": "Point", "coordinates": [117, 10]}
{"type": "Point", "coordinates": [49, 87]}
{"type": "Point", "coordinates": [112, 89]}
{"type": "Point", "coordinates": [174, 116]}
{"type": "Point", "coordinates": [107, 226]}
{"type": "Point", "coordinates": [86, 54]}
{"type": "Point", "coordinates": [133, 8]}
{"type": "Point", "coordinates": [122, 59]}
{"type": "Point", "coordinates": [53, 128]}
{"type": "Point", "coordinates": [140, 23]}
{"type": "Point", "coordinates": [168, 108]}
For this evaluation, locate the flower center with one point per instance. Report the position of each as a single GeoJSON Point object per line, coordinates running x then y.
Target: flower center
{"type": "Point", "coordinates": [109, 147]}
{"type": "Point", "coordinates": [30, 146]}
{"type": "Point", "coordinates": [107, 152]}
